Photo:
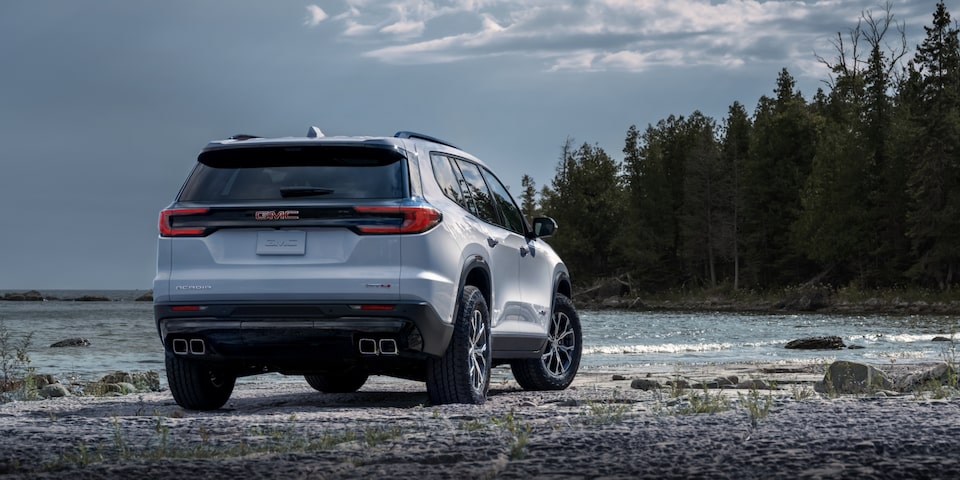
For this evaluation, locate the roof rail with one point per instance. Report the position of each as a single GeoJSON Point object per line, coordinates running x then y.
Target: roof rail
{"type": "Point", "coordinates": [243, 136]}
{"type": "Point", "coordinates": [420, 136]}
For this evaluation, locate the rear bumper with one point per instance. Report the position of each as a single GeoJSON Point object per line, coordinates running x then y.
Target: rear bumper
{"type": "Point", "coordinates": [301, 336]}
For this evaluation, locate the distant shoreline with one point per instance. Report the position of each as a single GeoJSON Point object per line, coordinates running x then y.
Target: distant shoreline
{"type": "Point", "coordinates": [76, 295]}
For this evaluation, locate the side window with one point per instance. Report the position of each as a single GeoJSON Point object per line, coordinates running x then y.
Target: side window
{"type": "Point", "coordinates": [511, 214]}
{"type": "Point", "coordinates": [486, 208]}
{"type": "Point", "coordinates": [447, 178]}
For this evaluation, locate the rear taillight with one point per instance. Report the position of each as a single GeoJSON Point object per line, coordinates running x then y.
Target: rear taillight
{"type": "Point", "coordinates": [166, 222]}
{"type": "Point", "coordinates": [413, 219]}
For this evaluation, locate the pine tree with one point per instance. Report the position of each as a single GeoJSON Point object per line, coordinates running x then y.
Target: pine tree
{"type": "Point", "coordinates": [528, 198]}
{"type": "Point", "coordinates": [735, 149]}
{"type": "Point", "coordinates": [934, 186]}
{"type": "Point", "coordinates": [586, 201]}
{"type": "Point", "coordinates": [781, 153]}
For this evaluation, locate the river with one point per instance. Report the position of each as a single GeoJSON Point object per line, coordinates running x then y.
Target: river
{"type": "Point", "coordinates": [123, 336]}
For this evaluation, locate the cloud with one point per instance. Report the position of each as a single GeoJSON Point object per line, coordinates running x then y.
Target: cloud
{"type": "Point", "coordinates": [404, 28]}
{"type": "Point", "coordinates": [600, 35]}
{"type": "Point", "coordinates": [315, 15]}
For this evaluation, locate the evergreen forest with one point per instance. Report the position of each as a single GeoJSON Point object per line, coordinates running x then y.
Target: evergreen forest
{"type": "Point", "coordinates": [858, 186]}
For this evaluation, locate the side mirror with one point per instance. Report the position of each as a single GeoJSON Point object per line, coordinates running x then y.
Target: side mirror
{"type": "Point", "coordinates": [544, 227]}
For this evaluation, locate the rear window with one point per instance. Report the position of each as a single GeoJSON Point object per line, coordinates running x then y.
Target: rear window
{"type": "Point", "coordinates": [274, 173]}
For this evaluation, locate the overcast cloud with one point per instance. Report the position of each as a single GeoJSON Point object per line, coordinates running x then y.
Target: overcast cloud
{"type": "Point", "coordinates": [104, 104]}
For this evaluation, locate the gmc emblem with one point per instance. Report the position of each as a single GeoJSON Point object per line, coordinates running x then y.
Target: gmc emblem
{"type": "Point", "coordinates": [277, 215]}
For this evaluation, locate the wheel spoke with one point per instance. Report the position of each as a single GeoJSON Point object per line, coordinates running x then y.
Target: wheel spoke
{"type": "Point", "coordinates": [478, 350]}
{"type": "Point", "coordinates": [561, 342]}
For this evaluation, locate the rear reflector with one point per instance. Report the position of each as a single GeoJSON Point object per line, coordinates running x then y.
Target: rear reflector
{"type": "Point", "coordinates": [372, 307]}
{"type": "Point", "coordinates": [186, 308]}
{"type": "Point", "coordinates": [166, 226]}
{"type": "Point", "coordinates": [415, 219]}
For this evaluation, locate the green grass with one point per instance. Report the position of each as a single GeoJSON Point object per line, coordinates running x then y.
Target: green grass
{"type": "Point", "coordinates": [17, 380]}
{"type": "Point", "coordinates": [518, 434]}
{"type": "Point", "coordinates": [758, 405]}
{"type": "Point", "coordinates": [255, 440]}
{"type": "Point", "coordinates": [705, 402]}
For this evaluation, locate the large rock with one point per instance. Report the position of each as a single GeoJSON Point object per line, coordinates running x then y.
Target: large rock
{"type": "Point", "coordinates": [55, 390]}
{"type": "Point", "coordinates": [644, 384]}
{"type": "Point", "coordinates": [938, 375]}
{"type": "Point", "coordinates": [72, 342]}
{"type": "Point", "coordinates": [843, 377]}
{"type": "Point", "coordinates": [816, 343]}
{"type": "Point", "coordinates": [141, 381]}
{"type": "Point", "coordinates": [146, 297]}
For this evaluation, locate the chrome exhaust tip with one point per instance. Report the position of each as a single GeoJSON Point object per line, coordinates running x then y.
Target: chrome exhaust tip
{"type": "Point", "coordinates": [180, 346]}
{"type": "Point", "coordinates": [368, 346]}
{"type": "Point", "coordinates": [388, 346]}
{"type": "Point", "coordinates": [197, 346]}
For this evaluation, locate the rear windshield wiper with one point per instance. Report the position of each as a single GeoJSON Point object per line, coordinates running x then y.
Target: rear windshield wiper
{"type": "Point", "coordinates": [287, 192]}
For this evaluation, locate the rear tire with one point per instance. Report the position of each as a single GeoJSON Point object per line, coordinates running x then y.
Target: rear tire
{"type": "Point", "coordinates": [560, 359]}
{"type": "Point", "coordinates": [462, 374]}
{"type": "Point", "coordinates": [197, 386]}
{"type": "Point", "coordinates": [346, 382]}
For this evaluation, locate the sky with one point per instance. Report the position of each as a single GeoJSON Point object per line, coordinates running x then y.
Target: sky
{"type": "Point", "coordinates": [105, 104]}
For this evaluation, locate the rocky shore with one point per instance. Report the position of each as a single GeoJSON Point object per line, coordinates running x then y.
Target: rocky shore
{"type": "Point", "coordinates": [36, 296]}
{"type": "Point", "coordinates": [707, 421]}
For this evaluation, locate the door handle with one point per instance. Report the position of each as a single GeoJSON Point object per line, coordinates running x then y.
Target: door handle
{"type": "Point", "coordinates": [492, 242]}
{"type": "Point", "coordinates": [524, 251]}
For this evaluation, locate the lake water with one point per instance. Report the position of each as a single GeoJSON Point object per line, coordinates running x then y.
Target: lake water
{"type": "Point", "coordinates": [123, 336]}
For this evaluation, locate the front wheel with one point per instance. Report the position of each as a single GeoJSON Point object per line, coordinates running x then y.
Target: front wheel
{"type": "Point", "coordinates": [462, 374]}
{"type": "Point", "coordinates": [197, 386]}
{"type": "Point", "coordinates": [560, 358]}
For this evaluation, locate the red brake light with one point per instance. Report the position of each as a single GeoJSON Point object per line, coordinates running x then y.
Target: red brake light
{"type": "Point", "coordinates": [416, 219]}
{"type": "Point", "coordinates": [167, 230]}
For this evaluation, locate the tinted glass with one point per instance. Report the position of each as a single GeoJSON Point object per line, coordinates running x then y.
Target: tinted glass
{"type": "Point", "coordinates": [295, 173]}
{"type": "Point", "coordinates": [486, 209]}
{"type": "Point", "coordinates": [513, 219]}
{"type": "Point", "coordinates": [448, 179]}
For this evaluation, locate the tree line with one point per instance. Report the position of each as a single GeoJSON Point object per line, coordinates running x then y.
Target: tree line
{"type": "Point", "coordinates": [858, 186]}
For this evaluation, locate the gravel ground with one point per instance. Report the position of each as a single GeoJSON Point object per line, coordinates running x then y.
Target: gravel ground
{"type": "Point", "coordinates": [599, 428]}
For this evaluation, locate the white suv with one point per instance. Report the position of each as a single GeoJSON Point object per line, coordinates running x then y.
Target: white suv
{"type": "Point", "coordinates": [337, 258]}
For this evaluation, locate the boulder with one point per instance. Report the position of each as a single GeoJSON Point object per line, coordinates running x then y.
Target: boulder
{"type": "Point", "coordinates": [941, 338]}
{"type": "Point", "coordinates": [816, 343]}
{"type": "Point", "coordinates": [843, 377]}
{"type": "Point", "coordinates": [42, 380]}
{"type": "Point", "coordinates": [139, 381]}
{"type": "Point", "coordinates": [72, 342]}
{"type": "Point", "coordinates": [644, 384]}
{"type": "Point", "coordinates": [146, 297]}
{"type": "Point", "coordinates": [55, 390]}
{"type": "Point", "coordinates": [940, 374]}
